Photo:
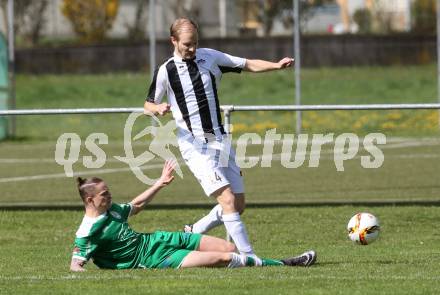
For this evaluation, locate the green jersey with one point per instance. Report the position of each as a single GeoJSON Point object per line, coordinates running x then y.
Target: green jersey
{"type": "Point", "coordinates": [111, 243]}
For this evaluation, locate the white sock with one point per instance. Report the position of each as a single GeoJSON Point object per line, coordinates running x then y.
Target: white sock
{"type": "Point", "coordinates": [237, 231]}
{"type": "Point", "coordinates": [208, 222]}
{"type": "Point", "coordinates": [237, 260]}
{"type": "Point", "coordinates": [240, 260]}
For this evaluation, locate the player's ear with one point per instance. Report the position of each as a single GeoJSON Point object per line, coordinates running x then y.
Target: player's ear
{"type": "Point", "coordinates": [173, 40]}
{"type": "Point", "coordinates": [89, 199]}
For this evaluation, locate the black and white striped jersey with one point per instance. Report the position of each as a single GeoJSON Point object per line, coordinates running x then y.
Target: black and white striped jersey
{"type": "Point", "coordinates": [191, 88]}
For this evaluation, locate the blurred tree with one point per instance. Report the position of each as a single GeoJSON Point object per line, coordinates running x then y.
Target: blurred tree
{"type": "Point", "coordinates": [271, 9]}
{"type": "Point", "coordinates": [283, 9]}
{"type": "Point", "coordinates": [362, 17]}
{"type": "Point", "coordinates": [375, 17]}
{"type": "Point", "coordinates": [91, 19]}
{"type": "Point", "coordinates": [28, 19]}
{"type": "Point", "coordinates": [137, 29]}
{"type": "Point", "coordinates": [424, 16]}
{"type": "Point", "coordinates": [187, 8]}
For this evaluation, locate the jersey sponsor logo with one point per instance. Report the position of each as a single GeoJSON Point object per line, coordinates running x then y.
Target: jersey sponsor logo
{"type": "Point", "coordinates": [201, 61]}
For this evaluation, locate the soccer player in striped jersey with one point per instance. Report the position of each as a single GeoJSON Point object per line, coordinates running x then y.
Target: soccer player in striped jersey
{"type": "Point", "coordinates": [190, 79]}
{"type": "Point", "coordinates": [105, 236]}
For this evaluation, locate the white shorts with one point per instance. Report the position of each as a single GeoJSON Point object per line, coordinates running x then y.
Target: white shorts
{"type": "Point", "coordinates": [213, 164]}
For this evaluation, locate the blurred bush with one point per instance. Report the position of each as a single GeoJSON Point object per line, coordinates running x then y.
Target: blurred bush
{"type": "Point", "coordinates": [91, 19]}
{"type": "Point", "coordinates": [29, 20]}
{"type": "Point", "coordinates": [424, 16]}
{"type": "Point", "coordinates": [363, 19]}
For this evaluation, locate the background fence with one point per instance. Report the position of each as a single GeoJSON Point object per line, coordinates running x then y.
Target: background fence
{"type": "Point", "coordinates": [317, 51]}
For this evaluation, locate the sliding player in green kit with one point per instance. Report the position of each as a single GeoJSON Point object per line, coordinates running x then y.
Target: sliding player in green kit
{"type": "Point", "coordinates": [105, 236]}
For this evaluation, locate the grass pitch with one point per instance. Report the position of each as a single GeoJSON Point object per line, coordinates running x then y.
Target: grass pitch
{"type": "Point", "coordinates": [37, 245]}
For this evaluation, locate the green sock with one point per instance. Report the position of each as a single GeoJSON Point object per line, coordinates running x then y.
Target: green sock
{"type": "Point", "coordinates": [250, 261]}
{"type": "Point", "coordinates": [266, 262]}
{"type": "Point", "coordinates": [271, 262]}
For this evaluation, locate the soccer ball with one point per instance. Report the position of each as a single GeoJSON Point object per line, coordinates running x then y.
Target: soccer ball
{"type": "Point", "coordinates": [363, 228]}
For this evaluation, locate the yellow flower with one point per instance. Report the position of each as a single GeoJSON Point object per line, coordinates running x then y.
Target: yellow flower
{"type": "Point", "coordinates": [388, 125]}
{"type": "Point", "coordinates": [239, 127]}
{"type": "Point", "coordinates": [394, 116]}
{"type": "Point", "coordinates": [265, 126]}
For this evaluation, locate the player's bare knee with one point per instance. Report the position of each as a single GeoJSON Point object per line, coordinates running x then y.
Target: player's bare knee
{"type": "Point", "coordinates": [227, 200]}
{"type": "Point", "coordinates": [225, 258]}
{"type": "Point", "coordinates": [230, 247]}
{"type": "Point", "coordinates": [228, 206]}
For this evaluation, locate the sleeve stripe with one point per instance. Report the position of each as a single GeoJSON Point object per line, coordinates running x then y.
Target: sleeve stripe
{"type": "Point", "coordinates": [152, 92]}
{"type": "Point", "coordinates": [224, 69]}
{"type": "Point", "coordinates": [131, 209]}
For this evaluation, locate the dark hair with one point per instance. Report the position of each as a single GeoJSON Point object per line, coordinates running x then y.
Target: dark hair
{"type": "Point", "coordinates": [86, 187]}
{"type": "Point", "coordinates": [180, 23]}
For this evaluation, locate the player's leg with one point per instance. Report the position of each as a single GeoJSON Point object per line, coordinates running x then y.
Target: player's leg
{"type": "Point", "coordinates": [203, 163]}
{"type": "Point", "coordinates": [210, 244]}
{"type": "Point", "coordinates": [232, 221]}
{"type": "Point", "coordinates": [207, 259]}
{"type": "Point", "coordinates": [233, 175]}
{"type": "Point", "coordinates": [179, 249]}
{"type": "Point", "coordinates": [209, 170]}
{"type": "Point", "coordinates": [214, 217]}
{"type": "Point", "coordinates": [207, 222]}
{"type": "Point", "coordinates": [232, 260]}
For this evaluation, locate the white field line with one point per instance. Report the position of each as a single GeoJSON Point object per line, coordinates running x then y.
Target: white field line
{"type": "Point", "coordinates": [157, 166]}
{"type": "Point", "coordinates": [41, 161]}
{"type": "Point", "coordinates": [80, 173]}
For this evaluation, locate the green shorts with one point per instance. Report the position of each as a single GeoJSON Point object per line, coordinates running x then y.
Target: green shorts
{"type": "Point", "coordinates": [168, 249]}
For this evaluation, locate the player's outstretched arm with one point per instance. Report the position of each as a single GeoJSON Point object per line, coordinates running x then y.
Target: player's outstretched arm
{"type": "Point", "coordinates": [77, 265]}
{"type": "Point", "coordinates": [258, 65]}
{"type": "Point", "coordinates": [161, 109]}
{"type": "Point", "coordinates": [166, 178]}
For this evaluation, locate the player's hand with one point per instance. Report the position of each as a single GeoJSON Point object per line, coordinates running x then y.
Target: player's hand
{"type": "Point", "coordinates": [286, 62]}
{"type": "Point", "coordinates": [163, 108]}
{"type": "Point", "coordinates": [167, 173]}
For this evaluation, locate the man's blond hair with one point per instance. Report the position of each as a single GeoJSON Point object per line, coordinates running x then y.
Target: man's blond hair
{"type": "Point", "coordinates": [182, 24]}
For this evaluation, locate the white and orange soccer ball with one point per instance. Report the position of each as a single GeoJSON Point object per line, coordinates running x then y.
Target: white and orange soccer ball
{"type": "Point", "coordinates": [363, 228]}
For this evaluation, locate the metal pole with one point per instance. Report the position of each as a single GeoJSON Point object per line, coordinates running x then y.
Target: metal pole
{"type": "Point", "coordinates": [11, 66]}
{"type": "Point", "coordinates": [227, 110]}
{"type": "Point", "coordinates": [231, 108]}
{"type": "Point", "coordinates": [222, 17]}
{"type": "Point", "coordinates": [152, 35]}
{"type": "Point", "coordinates": [438, 58]}
{"type": "Point", "coordinates": [296, 45]}
{"type": "Point", "coordinates": [227, 113]}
